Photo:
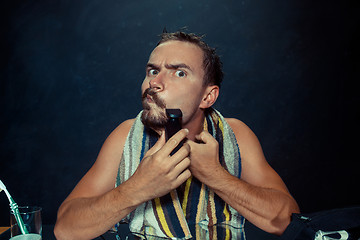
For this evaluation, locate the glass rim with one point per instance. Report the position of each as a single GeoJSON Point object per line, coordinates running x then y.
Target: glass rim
{"type": "Point", "coordinates": [32, 209]}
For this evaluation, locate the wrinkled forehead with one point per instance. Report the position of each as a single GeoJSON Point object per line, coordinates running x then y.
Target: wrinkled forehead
{"type": "Point", "coordinates": [174, 52]}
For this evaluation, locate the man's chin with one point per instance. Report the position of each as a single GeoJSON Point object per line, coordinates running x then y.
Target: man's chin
{"type": "Point", "coordinates": [155, 121]}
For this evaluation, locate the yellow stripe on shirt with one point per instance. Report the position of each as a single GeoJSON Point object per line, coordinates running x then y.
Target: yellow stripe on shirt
{"type": "Point", "coordinates": [186, 195]}
{"type": "Point", "coordinates": [162, 219]}
{"type": "Point", "coordinates": [179, 213]}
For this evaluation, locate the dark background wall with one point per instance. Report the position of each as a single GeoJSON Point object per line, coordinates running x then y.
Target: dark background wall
{"type": "Point", "coordinates": [71, 72]}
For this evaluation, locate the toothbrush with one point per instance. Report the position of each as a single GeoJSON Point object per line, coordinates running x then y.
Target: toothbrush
{"type": "Point", "coordinates": [14, 208]}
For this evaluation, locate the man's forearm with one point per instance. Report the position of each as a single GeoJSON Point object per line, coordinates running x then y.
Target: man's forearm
{"type": "Point", "coordinates": [87, 218]}
{"type": "Point", "coordinates": [82, 217]}
{"type": "Point", "coordinates": [269, 209]}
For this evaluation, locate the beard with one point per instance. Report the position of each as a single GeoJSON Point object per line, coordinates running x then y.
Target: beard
{"type": "Point", "coordinates": [154, 114]}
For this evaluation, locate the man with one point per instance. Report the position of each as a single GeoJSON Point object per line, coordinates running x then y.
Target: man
{"type": "Point", "coordinates": [182, 73]}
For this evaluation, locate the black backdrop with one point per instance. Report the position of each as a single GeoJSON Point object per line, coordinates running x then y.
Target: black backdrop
{"type": "Point", "coordinates": [71, 72]}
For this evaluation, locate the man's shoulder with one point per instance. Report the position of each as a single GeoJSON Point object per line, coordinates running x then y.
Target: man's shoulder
{"type": "Point", "coordinates": [125, 126]}
{"type": "Point", "coordinates": [122, 130]}
{"type": "Point", "coordinates": [236, 124]}
{"type": "Point", "coordinates": [240, 129]}
{"type": "Point", "coordinates": [127, 123]}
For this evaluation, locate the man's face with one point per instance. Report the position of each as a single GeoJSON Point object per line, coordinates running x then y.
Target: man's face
{"type": "Point", "coordinates": [174, 79]}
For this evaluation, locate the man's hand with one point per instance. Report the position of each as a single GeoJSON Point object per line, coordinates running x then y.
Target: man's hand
{"type": "Point", "coordinates": [204, 156]}
{"type": "Point", "coordinates": [158, 172]}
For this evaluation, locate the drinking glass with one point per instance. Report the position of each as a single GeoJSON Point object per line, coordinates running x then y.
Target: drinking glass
{"type": "Point", "coordinates": [31, 217]}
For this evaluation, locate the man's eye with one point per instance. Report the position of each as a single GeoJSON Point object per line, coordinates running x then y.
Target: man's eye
{"type": "Point", "coordinates": [180, 73]}
{"type": "Point", "coordinates": [153, 72]}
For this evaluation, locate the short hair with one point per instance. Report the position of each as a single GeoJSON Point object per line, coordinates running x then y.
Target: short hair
{"type": "Point", "coordinates": [211, 61]}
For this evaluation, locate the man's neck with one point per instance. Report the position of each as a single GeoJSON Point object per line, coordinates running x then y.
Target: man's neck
{"type": "Point", "coordinates": [195, 125]}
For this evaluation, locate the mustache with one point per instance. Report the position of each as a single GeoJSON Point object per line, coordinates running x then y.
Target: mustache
{"type": "Point", "coordinates": [154, 96]}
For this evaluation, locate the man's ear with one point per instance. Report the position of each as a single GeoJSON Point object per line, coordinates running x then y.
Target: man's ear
{"type": "Point", "coordinates": [210, 95]}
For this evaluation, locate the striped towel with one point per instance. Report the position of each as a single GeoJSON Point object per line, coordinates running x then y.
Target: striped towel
{"type": "Point", "coordinates": [193, 208]}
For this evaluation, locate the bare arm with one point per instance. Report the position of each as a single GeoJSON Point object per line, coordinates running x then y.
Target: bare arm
{"type": "Point", "coordinates": [260, 195]}
{"type": "Point", "coordinates": [94, 205]}
{"type": "Point", "coordinates": [89, 210]}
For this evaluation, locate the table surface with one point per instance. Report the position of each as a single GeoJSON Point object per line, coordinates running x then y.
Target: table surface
{"type": "Point", "coordinates": [251, 233]}
{"type": "Point", "coordinates": [3, 229]}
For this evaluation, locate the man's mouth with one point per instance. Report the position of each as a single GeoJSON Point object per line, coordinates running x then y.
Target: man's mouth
{"type": "Point", "coordinates": [149, 99]}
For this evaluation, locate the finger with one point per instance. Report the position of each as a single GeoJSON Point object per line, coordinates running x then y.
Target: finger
{"type": "Point", "coordinates": [181, 166]}
{"type": "Point", "coordinates": [173, 142]}
{"type": "Point", "coordinates": [204, 136]}
{"type": "Point", "coordinates": [182, 177]}
{"type": "Point", "coordinates": [182, 153]}
{"type": "Point", "coordinates": [158, 145]}
{"type": "Point", "coordinates": [192, 144]}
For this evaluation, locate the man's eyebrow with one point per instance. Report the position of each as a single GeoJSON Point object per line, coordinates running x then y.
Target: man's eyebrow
{"type": "Point", "coordinates": [168, 66]}
{"type": "Point", "coordinates": [177, 66]}
{"type": "Point", "coordinates": [152, 66]}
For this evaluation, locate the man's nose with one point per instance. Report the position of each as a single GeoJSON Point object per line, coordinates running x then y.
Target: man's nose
{"type": "Point", "coordinates": [157, 83]}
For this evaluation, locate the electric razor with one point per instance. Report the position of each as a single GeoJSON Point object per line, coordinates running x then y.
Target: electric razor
{"type": "Point", "coordinates": [173, 125]}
